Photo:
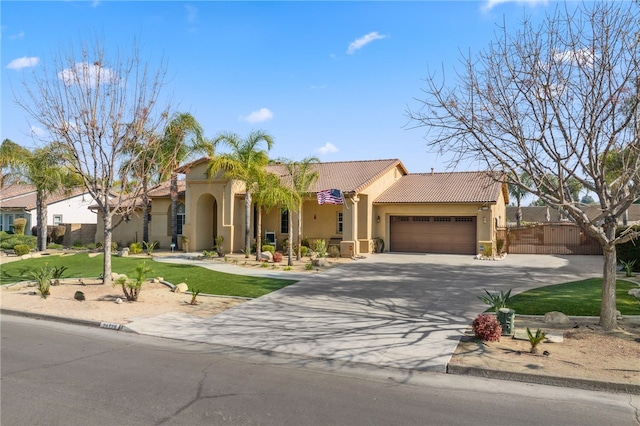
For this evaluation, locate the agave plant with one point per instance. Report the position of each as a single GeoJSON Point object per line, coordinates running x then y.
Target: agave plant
{"type": "Point", "coordinates": [496, 300]}
{"type": "Point", "coordinates": [535, 339]}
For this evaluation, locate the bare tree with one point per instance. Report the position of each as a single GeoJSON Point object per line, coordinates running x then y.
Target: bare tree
{"type": "Point", "coordinates": [552, 101]}
{"type": "Point", "coordinates": [99, 107]}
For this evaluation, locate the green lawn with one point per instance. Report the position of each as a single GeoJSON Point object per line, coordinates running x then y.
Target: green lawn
{"type": "Point", "coordinates": [577, 298]}
{"type": "Point", "coordinates": [197, 278]}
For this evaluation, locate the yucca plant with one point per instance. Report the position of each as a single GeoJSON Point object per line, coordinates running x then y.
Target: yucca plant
{"type": "Point", "coordinates": [535, 339]}
{"type": "Point", "coordinates": [496, 300]}
{"type": "Point", "coordinates": [57, 272]}
{"type": "Point", "coordinates": [628, 267]}
{"type": "Point", "coordinates": [194, 295]}
{"type": "Point", "coordinates": [42, 277]}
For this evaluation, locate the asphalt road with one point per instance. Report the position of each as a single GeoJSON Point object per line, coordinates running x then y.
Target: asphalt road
{"type": "Point", "coordinates": [61, 374]}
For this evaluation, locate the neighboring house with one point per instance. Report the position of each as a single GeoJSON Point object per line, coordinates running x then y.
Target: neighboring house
{"type": "Point", "coordinates": [424, 212]}
{"type": "Point", "coordinates": [544, 214]}
{"type": "Point", "coordinates": [19, 201]}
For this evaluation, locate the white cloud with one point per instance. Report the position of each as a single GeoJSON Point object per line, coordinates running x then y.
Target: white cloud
{"type": "Point", "coordinates": [363, 41]}
{"type": "Point", "coordinates": [25, 62]}
{"type": "Point", "coordinates": [263, 114]}
{"type": "Point", "coordinates": [38, 131]}
{"type": "Point", "coordinates": [582, 57]}
{"type": "Point", "coordinates": [490, 4]}
{"type": "Point", "coordinates": [17, 36]}
{"type": "Point", "coordinates": [328, 148]}
{"type": "Point", "coordinates": [192, 13]}
{"type": "Point", "coordinates": [87, 74]}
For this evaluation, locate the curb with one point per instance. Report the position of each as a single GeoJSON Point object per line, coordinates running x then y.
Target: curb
{"type": "Point", "coordinates": [566, 382]}
{"type": "Point", "coordinates": [453, 369]}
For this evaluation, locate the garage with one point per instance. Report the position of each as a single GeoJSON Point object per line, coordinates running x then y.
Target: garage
{"type": "Point", "coordinates": [433, 234]}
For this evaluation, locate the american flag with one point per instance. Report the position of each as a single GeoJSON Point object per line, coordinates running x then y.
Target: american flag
{"type": "Point", "coordinates": [330, 196]}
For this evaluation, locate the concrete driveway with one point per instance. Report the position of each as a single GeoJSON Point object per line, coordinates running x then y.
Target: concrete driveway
{"type": "Point", "coordinates": [393, 310]}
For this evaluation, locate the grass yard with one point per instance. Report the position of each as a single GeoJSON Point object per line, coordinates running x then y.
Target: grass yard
{"type": "Point", "coordinates": [197, 278]}
{"type": "Point", "coordinates": [577, 298]}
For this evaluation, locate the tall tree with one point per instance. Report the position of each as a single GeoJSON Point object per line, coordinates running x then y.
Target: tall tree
{"type": "Point", "coordinates": [143, 165]}
{"type": "Point", "coordinates": [269, 192]}
{"type": "Point", "coordinates": [97, 106]}
{"type": "Point", "coordinates": [183, 136]}
{"type": "Point", "coordinates": [43, 169]}
{"type": "Point", "coordinates": [11, 155]}
{"type": "Point", "coordinates": [552, 100]}
{"type": "Point", "coordinates": [245, 162]}
{"type": "Point", "coordinates": [302, 177]}
{"type": "Point", "coordinates": [518, 193]}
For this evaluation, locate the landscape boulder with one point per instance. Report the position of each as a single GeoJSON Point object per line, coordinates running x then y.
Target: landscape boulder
{"type": "Point", "coordinates": [181, 288]}
{"type": "Point", "coordinates": [555, 317]}
{"type": "Point", "coordinates": [266, 256]}
{"type": "Point", "coordinates": [320, 261]}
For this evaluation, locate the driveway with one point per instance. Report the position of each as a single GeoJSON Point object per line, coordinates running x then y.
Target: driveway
{"type": "Point", "coordinates": [390, 310]}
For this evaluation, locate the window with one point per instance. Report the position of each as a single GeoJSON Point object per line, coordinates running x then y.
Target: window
{"type": "Point", "coordinates": [57, 219]}
{"type": "Point", "coordinates": [181, 217]}
{"type": "Point", "coordinates": [10, 223]}
{"type": "Point", "coordinates": [1, 222]}
{"type": "Point", "coordinates": [339, 224]}
{"type": "Point", "coordinates": [284, 221]}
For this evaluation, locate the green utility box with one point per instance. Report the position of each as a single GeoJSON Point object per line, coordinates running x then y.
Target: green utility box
{"type": "Point", "coordinates": [507, 319]}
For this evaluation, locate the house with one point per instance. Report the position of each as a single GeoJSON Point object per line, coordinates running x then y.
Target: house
{"type": "Point", "coordinates": [544, 214]}
{"type": "Point", "coordinates": [19, 201]}
{"type": "Point", "coordinates": [454, 212]}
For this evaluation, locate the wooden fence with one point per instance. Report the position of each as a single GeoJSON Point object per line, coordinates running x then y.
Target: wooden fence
{"type": "Point", "coordinates": [549, 238]}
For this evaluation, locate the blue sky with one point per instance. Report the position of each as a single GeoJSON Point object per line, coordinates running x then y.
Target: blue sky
{"type": "Point", "coordinates": [330, 79]}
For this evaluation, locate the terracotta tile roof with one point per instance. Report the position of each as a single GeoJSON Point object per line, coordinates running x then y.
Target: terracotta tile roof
{"type": "Point", "coordinates": [162, 189]}
{"type": "Point", "coordinates": [347, 176]}
{"type": "Point", "coordinates": [11, 191]}
{"type": "Point", "coordinates": [453, 187]}
{"type": "Point", "coordinates": [27, 200]}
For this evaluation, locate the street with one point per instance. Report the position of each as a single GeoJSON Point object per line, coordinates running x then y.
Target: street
{"type": "Point", "coordinates": [61, 374]}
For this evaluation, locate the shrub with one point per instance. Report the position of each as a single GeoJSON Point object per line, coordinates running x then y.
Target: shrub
{"type": "Point", "coordinates": [219, 240]}
{"type": "Point", "coordinates": [56, 274]}
{"type": "Point", "coordinates": [308, 266]}
{"type": "Point", "coordinates": [321, 248]}
{"type": "Point", "coordinates": [487, 328]}
{"type": "Point", "coordinates": [269, 248]}
{"type": "Point", "coordinates": [150, 247]}
{"type": "Point", "coordinates": [135, 248]}
{"type": "Point", "coordinates": [53, 246]}
{"type": "Point", "coordinates": [9, 241]}
{"type": "Point", "coordinates": [630, 250]}
{"type": "Point", "coordinates": [305, 242]}
{"type": "Point", "coordinates": [628, 267]}
{"type": "Point", "coordinates": [499, 245]}
{"type": "Point", "coordinates": [334, 251]}
{"type": "Point", "coordinates": [114, 246]}
{"type": "Point", "coordinates": [57, 233]}
{"type": "Point", "coordinates": [277, 257]}
{"type": "Point", "coordinates": [496, 300]}
{"type": "Point", "coordinates": [77, 244]}
{"type": "Point", "coordinates": [19, 225]}
{"type": "Point", "coordinates": [21, 249]}
{"type": "Point", "coordinates": [304, 250]}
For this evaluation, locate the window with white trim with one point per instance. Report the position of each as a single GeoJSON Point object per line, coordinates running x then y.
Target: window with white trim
{"type": "Point", "coordinates": [57, 219]}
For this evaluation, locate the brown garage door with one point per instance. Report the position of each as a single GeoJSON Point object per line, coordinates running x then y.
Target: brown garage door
{"type": "Point", "coordinates": [433, 234]}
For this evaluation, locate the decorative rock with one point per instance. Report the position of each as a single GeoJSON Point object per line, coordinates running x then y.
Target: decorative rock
{"type": "Point", "coordinates": [556, 317]}
{"type": "Point", "coordinates": [635, 292]}
{"type": "Point", "coordinates": [160, 279]}
{"type": "Point", "coordinates": [618, 315]}
{"type": "Point", "coordinates": [266, 255]}
{"type": "Point", "coordinates": [320, 261]}
{"type": "Point", "coordinates": [79, 295]}
{"type": "Point", "coordinates": [124, 252]}
{"type": "Point", "coordinates": [181, 288]}
{"type": "Point", "coordinates": [118, 301]}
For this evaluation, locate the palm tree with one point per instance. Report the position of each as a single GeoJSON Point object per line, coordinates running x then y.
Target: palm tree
{"type": "Point", "coordinates": [174, 149]}
{"type": "Point", "coordinates": [142, 165]}
{"type": "Point", "coordinates": [11, 155]}
{"type": "Point", "coordinates": [245, 162]}
{"type": "Point", "coordinates": [302, 177]}
{"type": "Point", "coordinates": [42, 168]}
{"type": "Point", "coordinates": [518, 192]}
{"type": "Point", "coordinates": [269, 193]}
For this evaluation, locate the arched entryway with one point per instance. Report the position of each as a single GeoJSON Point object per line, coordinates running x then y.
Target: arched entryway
{"type": "Point", "coordinates": [206, 230]}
